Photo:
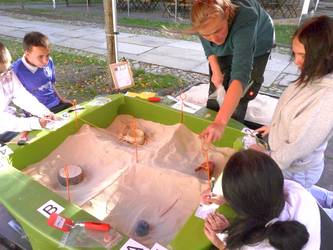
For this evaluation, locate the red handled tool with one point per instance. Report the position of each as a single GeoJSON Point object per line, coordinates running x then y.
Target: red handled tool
{"type": "Point", "coordinates": [64, 224]}
{"type": "Point", "coordinates": [154, 99]}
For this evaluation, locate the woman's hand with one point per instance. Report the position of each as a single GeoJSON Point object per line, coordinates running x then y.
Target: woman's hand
{"type": "Point", "coordinates": [264, 130]}
{"type": "Point", "coordinates": [213, 132]}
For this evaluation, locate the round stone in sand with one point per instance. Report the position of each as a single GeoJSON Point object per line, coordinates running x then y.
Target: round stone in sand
{"type": "Point", "coordinates": [142, 228]}
{"type": "Point", "coordinates": [75, 175]}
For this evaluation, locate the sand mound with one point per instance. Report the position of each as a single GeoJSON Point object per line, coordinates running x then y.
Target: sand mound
{"type": "Point", "coordinates": [162, 188]}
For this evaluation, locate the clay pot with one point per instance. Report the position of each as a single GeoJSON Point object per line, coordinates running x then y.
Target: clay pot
{"type": "Point", "coordinates": [203, 167]}
{"type": "Point", "coordinates": [135, 136]}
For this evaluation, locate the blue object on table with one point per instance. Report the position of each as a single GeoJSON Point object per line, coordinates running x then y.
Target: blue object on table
{"type": "Point", "coordinates": [142, 228]}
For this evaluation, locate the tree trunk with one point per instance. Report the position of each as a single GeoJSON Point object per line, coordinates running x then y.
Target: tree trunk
{"type": "Point", "coordinates": [109, 31]}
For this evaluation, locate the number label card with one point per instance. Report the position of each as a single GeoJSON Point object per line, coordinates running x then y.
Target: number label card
{"type": "Point", "coordinates": [49, 208]}
{"type": "Point", "coordinates": [133, 245]}
{"type": "Point", "coordinates": [204, 210]}
{"type": "Point", "coordinates": [158, 247]}
{"type": "Point", "coordinates": [3, 162]}
{"type": "Point", "coordinates": [5, 150]}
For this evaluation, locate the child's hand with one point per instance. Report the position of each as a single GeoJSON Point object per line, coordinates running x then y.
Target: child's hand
{"type": "Point", "coordinates": [207, 197]}
{"type": "Point", "coordinates": [46, 118]}
{"type": "Point", "coordinates": [211, 234]}
{"type": "Point", "coordinates": [216, 222]}
{"type": "Point", "coordinates": [67, 101]}
{"type": "Point", "coordinates": [264, 130]}
{"type": "Point", "coordinates": [50, 116]}
{"type": "Point", "coordinates": [43, 122]}
{"type": "Point", "coordinates": [258, 147]}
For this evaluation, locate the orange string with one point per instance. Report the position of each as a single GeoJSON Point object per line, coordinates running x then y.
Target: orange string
{"type": "Point", "coordinates": [75, 113]}
{"type": "Point", "coordinates": [204, 149]}
{"type": "Point", "coordinates": [135, 141]}
{"type": "Point", "coordinates": [67, 182]}
{"type": "Point", "coordinates": [182, 98]}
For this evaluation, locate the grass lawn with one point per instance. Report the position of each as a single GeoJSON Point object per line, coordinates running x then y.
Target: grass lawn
{"type": "Point", "coordinates": [283, 33]}
{"type": "Point", "coordinates": [82, 77]}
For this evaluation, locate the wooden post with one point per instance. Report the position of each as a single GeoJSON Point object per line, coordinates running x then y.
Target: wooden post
{"type": "Point", "coordinates": [110, 31]}
{"type": "Point", "coordinates": [22, 4]}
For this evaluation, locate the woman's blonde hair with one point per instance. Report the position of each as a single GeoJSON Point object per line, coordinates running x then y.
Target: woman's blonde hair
{"type": "Point", "coordinates": [205, 10]}
{"type": "Point", "coordinates": [5, 58]}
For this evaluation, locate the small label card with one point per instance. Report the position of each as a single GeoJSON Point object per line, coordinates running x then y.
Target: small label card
{"type": "Point", "coordinates": [5, 150]}
{"type": "Point", "coordinates": [133, 245]}
{"type": "Point", "coordinates": [204, 210]}
{"type": "Point", "coordinates": [122, 75]}
{"type": "Point", "coordinates": [3, 162]}
{"type": "Point", "coordinates": [158, 247]}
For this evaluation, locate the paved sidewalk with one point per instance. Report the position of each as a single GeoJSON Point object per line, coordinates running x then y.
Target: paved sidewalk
{"type": "Point", "coordinates": [173, 53]}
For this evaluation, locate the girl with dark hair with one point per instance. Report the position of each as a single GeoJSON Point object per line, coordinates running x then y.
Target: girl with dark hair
{"type": "Point", "coordinates": [272, 213]}
{"type": "Point", "coordinates": [302, 122]}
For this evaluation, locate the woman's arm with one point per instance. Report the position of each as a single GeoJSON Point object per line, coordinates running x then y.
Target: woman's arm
{"type": "Point", "coordinates": [233, 95]}
{"type": "Point", "coordinates": [217, 75]}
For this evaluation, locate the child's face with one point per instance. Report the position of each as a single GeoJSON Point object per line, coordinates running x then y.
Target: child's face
{"type": "Point", "coordinates": [216, 30]}
{"type": "Point", "coordinates": [299, 52]}
{"type": "Point", "coordinates": [37, 56]}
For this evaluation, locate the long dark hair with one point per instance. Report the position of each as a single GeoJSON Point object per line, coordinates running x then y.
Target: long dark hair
{"type": "Point", "coordinates": [316, 34]}
{"type": "Point", "coordinates": [253, 186]}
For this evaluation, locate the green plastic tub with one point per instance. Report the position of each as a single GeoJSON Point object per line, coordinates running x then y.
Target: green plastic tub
{"type": "Point", "coordinates": [22, 196]}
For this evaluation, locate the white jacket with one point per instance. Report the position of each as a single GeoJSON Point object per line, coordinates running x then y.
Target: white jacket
{"type": "Point", "coordinates": [301, 126]}
{"type": "Point", "coordinates": [302, 207]}
{"type": "Point", "coordinates": [11, 89]}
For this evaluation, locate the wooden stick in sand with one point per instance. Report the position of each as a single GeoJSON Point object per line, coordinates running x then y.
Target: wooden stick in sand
{"type": "Point", "coordinates": [135, 139]}
{"type": "Point", "coordinates": [75, 113]}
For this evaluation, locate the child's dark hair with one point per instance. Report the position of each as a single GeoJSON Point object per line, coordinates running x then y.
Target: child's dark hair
{"type": "Point", "coordinates": [253, 186]}
{"type": "Point", "coordinates": [35, 39]}
{"type": "Point", "coordinates": [316, 34]}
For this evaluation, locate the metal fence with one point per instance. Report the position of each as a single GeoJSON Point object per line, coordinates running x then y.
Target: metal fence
{"type": "Point", "coordinates": [181, 8]}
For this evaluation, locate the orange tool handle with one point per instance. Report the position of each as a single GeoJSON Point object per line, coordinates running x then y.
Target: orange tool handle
{"type": "Point", "coordinates": [97, 226]}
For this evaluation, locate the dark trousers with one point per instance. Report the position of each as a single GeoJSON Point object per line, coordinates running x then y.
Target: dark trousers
{"type": "Point", "coordinates": [256, 80]}
{"type": "Point", "coordinates": [9, 135]}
